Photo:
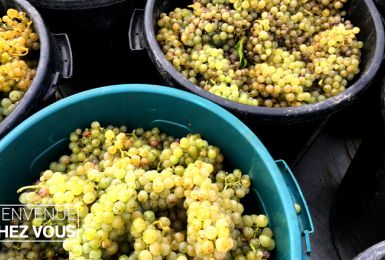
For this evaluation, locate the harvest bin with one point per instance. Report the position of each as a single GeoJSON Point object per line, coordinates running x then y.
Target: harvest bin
{"type": "Point", "coordinates": [362, 13]}
{"type": "Point", "coordinates": [55, 63]}
{"type": "Point", "coordinates": [43, 138]}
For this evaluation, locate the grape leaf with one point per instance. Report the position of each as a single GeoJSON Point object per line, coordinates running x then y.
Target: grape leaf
{"type": "Point", "coordinates": [239, 48]}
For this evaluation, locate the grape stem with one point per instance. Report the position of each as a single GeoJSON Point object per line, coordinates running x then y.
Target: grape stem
{"type": "Point", "coordinates": [165, 229]}
{"type": "Point", "coordinates": [252, 247]}
{"type": "Point", "coordinates": [158, 166]}
{"type": "Point", "coordinates": [309, 13]}
{"type": "Point", "coordinates": [50, 221]}
{"type": "Point", "coordinates": [22, 49]}
{"type": "Point", "coordinates": [255, 232]}
{"type": "Point", "coordinates": [29, 187]}
{"type": "Point", "coordinates": [133, 135]}
{"type": "Point", "coordinates": [231, 184]}
{"type": "Point", "coordinates": [124, 153]}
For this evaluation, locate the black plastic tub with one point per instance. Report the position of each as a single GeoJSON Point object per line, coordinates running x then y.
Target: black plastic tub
{"type": "Point", "coordinates": [55, 63]}
{"type": "Point", "coordinates": [358, 210]}
{"type": "Point", "coordinates": [362, 13]}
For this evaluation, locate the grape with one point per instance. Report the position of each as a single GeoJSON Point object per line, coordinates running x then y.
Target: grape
{"type": "Point", "coordinates": [17, 39]}
{"type": "Point", "coordinates": [297, 208]}
{"type": "Point", "coordinates": [262, 221]}
{"type": "Point", "coordinates": [180, 204]}
{"type": "Point", "coordinates": [144, 255]}
{"type": "Point", "coordinates": [27, 250]}
{"type": "Point", "coordinates": [262, 52]}
{"type": "Point", "coordinates": [138, 225]}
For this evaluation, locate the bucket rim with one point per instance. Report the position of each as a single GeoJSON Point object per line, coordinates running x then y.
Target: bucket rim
{"type": "Point", "coordinates": [74, 5]}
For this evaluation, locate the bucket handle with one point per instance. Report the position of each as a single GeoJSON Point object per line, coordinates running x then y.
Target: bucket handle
{"type": "Point", "coordinates": [63, 63]}
{"type": "Point", "coordinates": [63, 47]}
{"type": "Point", "coordinates": [136, 31]}
{"type": "Point", "coordinates": [304, 217]}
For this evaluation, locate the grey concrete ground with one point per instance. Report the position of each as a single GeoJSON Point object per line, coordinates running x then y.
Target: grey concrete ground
{"type": "Point", "coordinates": [319, 173]}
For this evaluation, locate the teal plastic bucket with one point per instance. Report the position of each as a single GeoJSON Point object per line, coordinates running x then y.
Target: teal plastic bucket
{"type": "Point", "coordinates": [42, 138]}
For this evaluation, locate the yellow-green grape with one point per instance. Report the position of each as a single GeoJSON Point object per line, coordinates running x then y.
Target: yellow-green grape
{"type": "Point", "coordinates": [17, 39]}
{"type": "Point", "coordinates": [145, 195]}
{"type": "Point", "coordinates": [262, 52]}
{"type": "Point", "coordinates": [26, 248]}
{"type": "Point", "coordinates": [297, 208]}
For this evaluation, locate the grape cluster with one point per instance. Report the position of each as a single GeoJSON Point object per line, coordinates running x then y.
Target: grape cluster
{"type": "Point", "coordinates": [9, 103]}
{"type": "Point", "coordinates": [17, 70]}
{"type": "Point", "coordinates": [272, 53]}
{"type": "Point", "coordinates": [146, 195]}
{"type": "Point", "coordinates": [27, 250]}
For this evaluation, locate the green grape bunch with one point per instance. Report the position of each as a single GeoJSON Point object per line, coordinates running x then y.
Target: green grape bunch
{"type": "Point", "coordinates": [271, 53]}
{"type": "Point", "coordinates": [144, 195]}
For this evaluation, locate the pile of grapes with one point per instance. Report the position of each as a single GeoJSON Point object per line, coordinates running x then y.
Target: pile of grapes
{"type": "Point", "coordinates": [17, 40]}
{"type": "Point", "coordinates": [12, 250]}
{"type": "Point", "coordinates": [272, 53]}
{"type": "Point", "coordinates": [145, 195]}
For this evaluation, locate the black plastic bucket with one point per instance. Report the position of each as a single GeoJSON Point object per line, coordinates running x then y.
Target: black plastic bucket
{"type": "Point", "coordinates": [97, 29]}
{"type": "Point", "coordinates": [358, 210]}
{"type": "Point", "coordinates": [55, 63]}
{"type": "Point", "coordinates": [362, 13]}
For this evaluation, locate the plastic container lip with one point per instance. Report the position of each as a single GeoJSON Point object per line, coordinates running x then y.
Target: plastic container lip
{"type": "Point", "coordinates": [44, 56]}
{"type": "Point", "coordinates": [322, 108]}
{"type": "Point", "coordinates": [142, 88]}
{"type": "Point", "coordinates": [74, 4]}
